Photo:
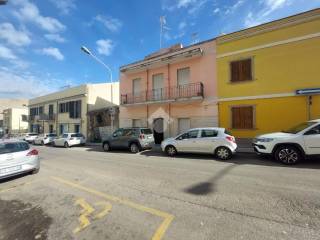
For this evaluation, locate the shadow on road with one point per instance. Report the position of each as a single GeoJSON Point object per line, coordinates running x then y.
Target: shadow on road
{"type": "Point", "coordinates": [205, 188]}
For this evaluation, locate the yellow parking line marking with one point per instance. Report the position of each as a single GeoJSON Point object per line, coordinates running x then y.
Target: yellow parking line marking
{"type": "Point", "coordinates": [161, 230]}
{"type": "Point", "coordinates": [85, 212]}
{"type": "Point", "coordinates": [107, 208]}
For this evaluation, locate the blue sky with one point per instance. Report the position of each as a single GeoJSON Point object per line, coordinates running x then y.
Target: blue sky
{"type": "Point", "coordinates": [40, 40]}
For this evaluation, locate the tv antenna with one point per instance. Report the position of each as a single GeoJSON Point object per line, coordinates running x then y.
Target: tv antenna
{"type": "Point", "coordinates": [194, 38]}
{"type": "Point", "coordinates": [163, 27]}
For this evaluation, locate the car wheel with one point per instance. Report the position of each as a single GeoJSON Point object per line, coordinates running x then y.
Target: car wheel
{"type": "Point", "coordinates": [66, 145]}
{"type": "Point", "coordinates": [288, 155]}
{"type": "Point", "coordinates": [223, 153]}
{"type": "Point", "coordinates": [53, 144]}
{"type": "Point", "coordinates": [106, 147]}
{"type": "Point", "coordinates": [134, 148]}
{"type": "Point", "coordinates": [171, 151]}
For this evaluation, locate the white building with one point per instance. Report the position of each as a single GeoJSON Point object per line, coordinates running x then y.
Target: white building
{"type": "Point", "coordinates": [69, 110]}
{"type": "Point", "coordinates": [15, 120]}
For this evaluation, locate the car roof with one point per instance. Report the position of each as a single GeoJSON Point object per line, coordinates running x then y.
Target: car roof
{"type": "Point", "coordinates": [315, 121]}
{"type": "Point", "coordinates": [12, 140]}
{"type": "Point", "coordinates": [208, 128]}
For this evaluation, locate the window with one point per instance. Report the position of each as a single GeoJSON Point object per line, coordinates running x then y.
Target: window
{"type": "Point", "coordinates": [50, 110]}
{"type": "Point", "coordinates": [136, 86]}
{"type": "Point", "coordinates": [146, 131]}
{"type": "Point", "coordinates": [50, 128]}
{"type": "Point", "coordinates": [65, 136]}
{"type": "Point", "coordinates": [127, 132]}
{"type": "Point", "coordinates": [13, 147]}
{"type": "Point", "coordinates": [40, 110]}
{"type": "Point", "coordinates": [207, 133]}
{"type": "Point", "coordinates": [242, 117]}
{"type": "Point", "coordinates": [183, 76]}
{"type": "Point", "coordinates": [314, 131]}
{"type": "Point", "coordinates": [76, 128]}
{"type": "Point", "coordinates": [241, 70]}
{"type": "Point", "coordinates": [188, 135]}
{"type": "Point", "coordinates": [136, 123]}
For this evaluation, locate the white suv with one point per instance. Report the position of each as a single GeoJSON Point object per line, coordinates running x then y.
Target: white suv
{"type": "Point", "coordinates": [289, 147]}
{"type": "Point", "coordinates": [216, 141]}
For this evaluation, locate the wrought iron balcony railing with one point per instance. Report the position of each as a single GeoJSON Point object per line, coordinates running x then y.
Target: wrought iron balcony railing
{"type": "Point", "coordinates": [186, 91]}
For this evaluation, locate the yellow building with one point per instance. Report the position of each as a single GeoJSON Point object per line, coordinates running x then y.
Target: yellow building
{"type": "Point", "coordinates": [269, 75]}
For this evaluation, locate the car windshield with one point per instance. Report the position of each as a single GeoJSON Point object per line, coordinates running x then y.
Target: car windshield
{"type": "Point", "coordinates": [13, 147]}
{"type": "Point", "coordinates": [299, 127]}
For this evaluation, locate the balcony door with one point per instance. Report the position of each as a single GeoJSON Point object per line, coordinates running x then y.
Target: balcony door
{"type": "Point", "coordinates": [157, 87]}
{"type": "Point", "coordinates": [136, 90]}
{"type": "Point", "coordinates": [183, 79]}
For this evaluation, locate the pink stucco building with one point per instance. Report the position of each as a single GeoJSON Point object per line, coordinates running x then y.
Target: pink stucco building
{"type": "Point", "coordinates": [171, 90]}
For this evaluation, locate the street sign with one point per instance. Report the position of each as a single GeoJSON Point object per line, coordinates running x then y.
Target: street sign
{"type": "Point", "coordinates": [308, 91]}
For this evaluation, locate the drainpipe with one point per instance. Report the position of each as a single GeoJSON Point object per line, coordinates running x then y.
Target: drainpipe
{"type": "Point", "coordinates": [147, 97]}
{"type": "Point", "coordinates": [309, 104]}
{"type": "Point", "coordinates": [169, 107]}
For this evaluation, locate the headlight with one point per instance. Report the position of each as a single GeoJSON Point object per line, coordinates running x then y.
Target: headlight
{"type": "Point", "coordinates": [265, 139]}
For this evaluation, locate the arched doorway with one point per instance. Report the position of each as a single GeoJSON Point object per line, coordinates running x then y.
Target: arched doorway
{"type": "Point", "coordinates": [158, 130]}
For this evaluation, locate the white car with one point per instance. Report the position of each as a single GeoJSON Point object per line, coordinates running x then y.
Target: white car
{"type": "Point", "coordinates": [45, 139]}
{"type": "Point", "coordinates": [30, 137]}
{"type": "Point", "coordinates": [289, 147]}
{"type": "Point", "coordinates": [16, 157]}
{"type": "Point", "coordinates": [69, 140]}
{"type": "Point", "coordinates": [217, 141]}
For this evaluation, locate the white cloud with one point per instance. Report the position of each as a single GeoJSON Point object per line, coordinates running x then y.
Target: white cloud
{"type": "Point", "coordinates": [55, 37]}
{"type": "Point", "coordinates": [26, 85]}
{"type": "Point", "coordinates": [234, 7]}
{"type": "Point", "coordinates": [53, 52]}
{"type": "Point", "coordinates": [192, 6]}
{"type": "Point", "coordinates": [29, 12]}
{"type": "Point", "coordinates": [268, 7]}
{"type": "Point", "coordinates": [105, 46]}
{"type": "Point", "coordinates": [216, 10]}
{"type": "Point", "coordinates": [112, 24]}
{"type": "Point", "coordinates": [13, 36]}
{"type": "Point", "coordinates": [7, 54]}
{"type": "Point", "coordinates": [64, 6]}
{"type": "Point", "coordinates": [182, 25]}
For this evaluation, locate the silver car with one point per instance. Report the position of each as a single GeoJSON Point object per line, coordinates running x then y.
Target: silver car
{"type": "Point", "coordinates": [45, 139]}
{"type": "Point", "coordinates": [69, 139]}
{"type": "Point", "coordinates": [17, 157]}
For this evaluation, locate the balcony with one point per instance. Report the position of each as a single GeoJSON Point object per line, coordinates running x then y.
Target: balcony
{"type": "Point", "coordinates": [43, 117]}
{"type": "Point", "coordinates": [192, 91]}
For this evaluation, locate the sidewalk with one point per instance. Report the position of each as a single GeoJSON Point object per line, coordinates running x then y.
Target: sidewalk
{"type": "Point", "coordinates": [244, 145]}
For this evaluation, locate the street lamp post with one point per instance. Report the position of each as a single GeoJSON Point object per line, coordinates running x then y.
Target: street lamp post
{"type": "Point", "coordinates": [87, 51]}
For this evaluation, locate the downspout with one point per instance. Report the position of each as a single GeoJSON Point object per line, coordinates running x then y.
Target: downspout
{"type": "Point", "coordinates": [147, 98]}
{"type": "Point", "coordinates": [169, 107]}
{"type": "Point", "coordinates": [309, 104]}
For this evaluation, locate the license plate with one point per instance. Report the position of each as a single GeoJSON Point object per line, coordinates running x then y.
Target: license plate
{"type": "Point", "coordinates": [9, 170]}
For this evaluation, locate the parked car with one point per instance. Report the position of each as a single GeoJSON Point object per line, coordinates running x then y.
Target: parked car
{"type": "Point", "coordinates": [16, 157]}
{"type": "Point", "coordinates": [293, 145]}
{"type": "Point", "coordinates": [217, 141]}
{"type": "Point", "coordinates": [45, 139]}
{"type": "Point", "coordinates": [134, 139]}
{"type": "Point", "coordinates": [69, 139]}
{"type": "Point", "coordinates": [30, 137]}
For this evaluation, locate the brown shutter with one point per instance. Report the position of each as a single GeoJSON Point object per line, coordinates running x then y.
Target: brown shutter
{"type": "Point", "coordinates": [241, 70]}
{"type": "Point", "coordinates": [242, 117]}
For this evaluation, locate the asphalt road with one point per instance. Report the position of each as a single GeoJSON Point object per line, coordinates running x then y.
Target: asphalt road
{"type": "Point", "coordinates": [81, 193]}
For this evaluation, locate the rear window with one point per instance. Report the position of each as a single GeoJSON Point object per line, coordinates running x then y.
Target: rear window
{"type": "Point", "coordinates": [52, 135]}
{"type": "Point", "coordinates": [207, 133]}
{"type": "Point", "coordinates": [146, 131]}
{"type": "Point", "coordinates": [13, 147]}
{"type": "Point", "coordinates": [227, 132]}
{"type": "Point", "coordinates": [79, 135]}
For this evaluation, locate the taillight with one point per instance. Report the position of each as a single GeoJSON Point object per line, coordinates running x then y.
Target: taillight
{"type": "Point", "coordinates": [33, 152]}
{"type": "Point", "coordinates": [231, 139]}
{"type": "Point", "coordinates": [141, 136]}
